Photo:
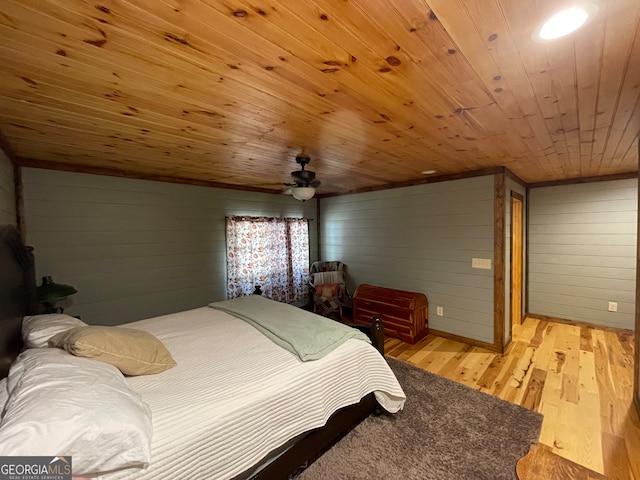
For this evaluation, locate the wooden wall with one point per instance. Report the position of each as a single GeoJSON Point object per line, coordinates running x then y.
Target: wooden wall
{"type": "Point", "coordinates": [582, 251]}
{"type": "Point", "coordinates": [136, 248]}
{"type": "Point", "coordinates": [636, 354]}
{"type": "Point", "coordinates": [7, 195]}
{"type": "Point", "coordinates": [420, 238]}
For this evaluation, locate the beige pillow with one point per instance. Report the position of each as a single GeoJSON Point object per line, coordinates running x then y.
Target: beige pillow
{"type": "Point", "coordinates": [134, 352]}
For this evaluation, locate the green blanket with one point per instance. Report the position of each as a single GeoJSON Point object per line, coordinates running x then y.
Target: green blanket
{"type": "Point", "coordinates": [306, 334]}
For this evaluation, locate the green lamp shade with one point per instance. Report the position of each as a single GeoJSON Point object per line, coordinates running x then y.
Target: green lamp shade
{"type": "Point", "coordinates": [50, 292]}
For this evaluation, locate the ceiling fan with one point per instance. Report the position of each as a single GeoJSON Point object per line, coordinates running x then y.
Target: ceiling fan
{"type": "Point", "coordinates": [303, 182]}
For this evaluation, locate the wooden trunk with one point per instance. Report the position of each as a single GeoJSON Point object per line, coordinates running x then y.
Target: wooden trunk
{"type": "Point", "coordinates": [404, 314]}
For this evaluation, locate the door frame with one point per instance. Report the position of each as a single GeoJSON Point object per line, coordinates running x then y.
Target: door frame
{"type": "Point", "coordinates": [516, 264]}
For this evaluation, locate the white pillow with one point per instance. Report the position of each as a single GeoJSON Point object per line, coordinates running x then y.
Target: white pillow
{"type": "Point", "coordinates": [38, 329]}
{"type": "Point", "coordinates": [64, 405]}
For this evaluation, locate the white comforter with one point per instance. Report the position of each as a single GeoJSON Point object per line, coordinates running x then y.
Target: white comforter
{"type": "Point", "coordinates": [234, 395]}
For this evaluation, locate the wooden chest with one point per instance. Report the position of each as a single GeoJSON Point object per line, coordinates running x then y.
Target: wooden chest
{"type": "Point", "coordinates": [404, 314]}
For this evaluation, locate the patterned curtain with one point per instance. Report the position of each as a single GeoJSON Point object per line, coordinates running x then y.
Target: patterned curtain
{"type": "Point", "coordinates": [270, 252]}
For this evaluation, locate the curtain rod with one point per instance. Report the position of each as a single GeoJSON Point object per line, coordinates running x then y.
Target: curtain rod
{"type": "Point", "coordinates": [264, 219]}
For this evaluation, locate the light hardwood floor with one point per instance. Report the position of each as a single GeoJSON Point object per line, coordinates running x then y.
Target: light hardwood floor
{"type": "Point", "coordinates": [580, 378]}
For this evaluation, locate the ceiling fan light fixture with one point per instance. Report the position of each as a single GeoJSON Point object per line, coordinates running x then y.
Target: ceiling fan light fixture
{"type": "Point", "coordinates": [303, 193]}
{"type": "Point", "coordinates": [565, 21]}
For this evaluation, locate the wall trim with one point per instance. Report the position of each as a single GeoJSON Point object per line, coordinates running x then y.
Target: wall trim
{"type": "Point", "coordinates": [499, 232]}
{"type": "Point", "coordinates": [636, 370]}
{"type": "Point", "coordinates": [115, 172]}
{"type": "Point", "coordinates": [578, 323]}
{"type": "Point", "coordinates": [18, 199]}
{"type": "Point", "coordinates": [519, 197]}
{"type": "Point", "coordinates": [421, 181]}
{"type": "Point", "coordinates": [572, 181]}
{"type": "Point", "coordinates": [526, 253]}
{"type": "Point", "coordinates": [318, 232]}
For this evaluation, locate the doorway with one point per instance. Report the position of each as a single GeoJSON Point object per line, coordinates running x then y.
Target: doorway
{"type": "Point", "coordinates": [517, 250]}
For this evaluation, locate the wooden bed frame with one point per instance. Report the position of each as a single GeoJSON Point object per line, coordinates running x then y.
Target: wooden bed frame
{"type": "Point", "coordinates": [17, 293]}
{"type": "Point", "coordinates": [18, 298]}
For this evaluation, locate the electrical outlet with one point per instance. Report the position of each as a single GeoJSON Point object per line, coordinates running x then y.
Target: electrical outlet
{"type": "Point", "coordinates": [440, 311]}
{"type": "Point", "coordinates": [613, 306]}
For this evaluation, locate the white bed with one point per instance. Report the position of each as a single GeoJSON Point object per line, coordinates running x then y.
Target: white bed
{"type": "Point", "coordinates": [233, 398]}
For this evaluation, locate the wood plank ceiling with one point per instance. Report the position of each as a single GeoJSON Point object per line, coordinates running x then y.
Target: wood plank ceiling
{"type": "Point", "coordinates": [376, 91]}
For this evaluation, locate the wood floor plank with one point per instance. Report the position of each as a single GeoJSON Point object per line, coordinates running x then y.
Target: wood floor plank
{"type": "Point", "coordinates": [589, 451]}
{"type": "Point", "coordinates": [611, 417]}
{"type": "Point", "coordinates": [548, 431]}
{"type": "Point", "coordinates": [506, 375]}
{"type": "Point", "coordinates": [586, 342]}
{"type": "Point", "coordinates": [406, 351]}
{"type": "Point", "coordinates": [517, 394]}
{"type": "Point", "coordinates": [473, 366]}
{"type": "Point", "coordinates": [553, 386]}
{"type": "Point", "coordinates": [617, 458]}
{"type": "Point", "coordinates": [533, 394]}
{"type": "Point", "coordinates": [434, 361]}
{"type": "Point", "coordinates": [454, 363]}
{"type": "Point", "coordinates": [626, 341]}
{"type": "Point", "coordinates": [538, 336]}
{"type": "Point", "coordinates": [588, 380]}
{"type": "Point", "coordinates": [544, 351]}
{"type": "Point", "coordinates": [416, 354]}
{"type": "Point", "coordinates": [540, 463]}
{"type": "Point", "coordinates": [570, 385]}
{"type": "Point", "coordinates": [566, 440]}
{"type": "Point", "coordinates": [526, 330]}
{"type": "Point", "coordinates": [631, 434]}
{"type": "Point", "coordinates": [491, 372]}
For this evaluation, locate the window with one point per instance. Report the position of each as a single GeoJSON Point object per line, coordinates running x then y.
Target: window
{"type": "Point", "coordinates": [270, 252]}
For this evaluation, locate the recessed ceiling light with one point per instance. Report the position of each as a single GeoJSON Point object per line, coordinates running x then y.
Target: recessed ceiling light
{"type": "Point", "coordinates": [565, 22]}
{"type": "Point", "coordinates": [428, 172]}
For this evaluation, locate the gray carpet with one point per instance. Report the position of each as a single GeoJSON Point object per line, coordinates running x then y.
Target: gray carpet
{"type": "Point", "coordinates": [447, 431]}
